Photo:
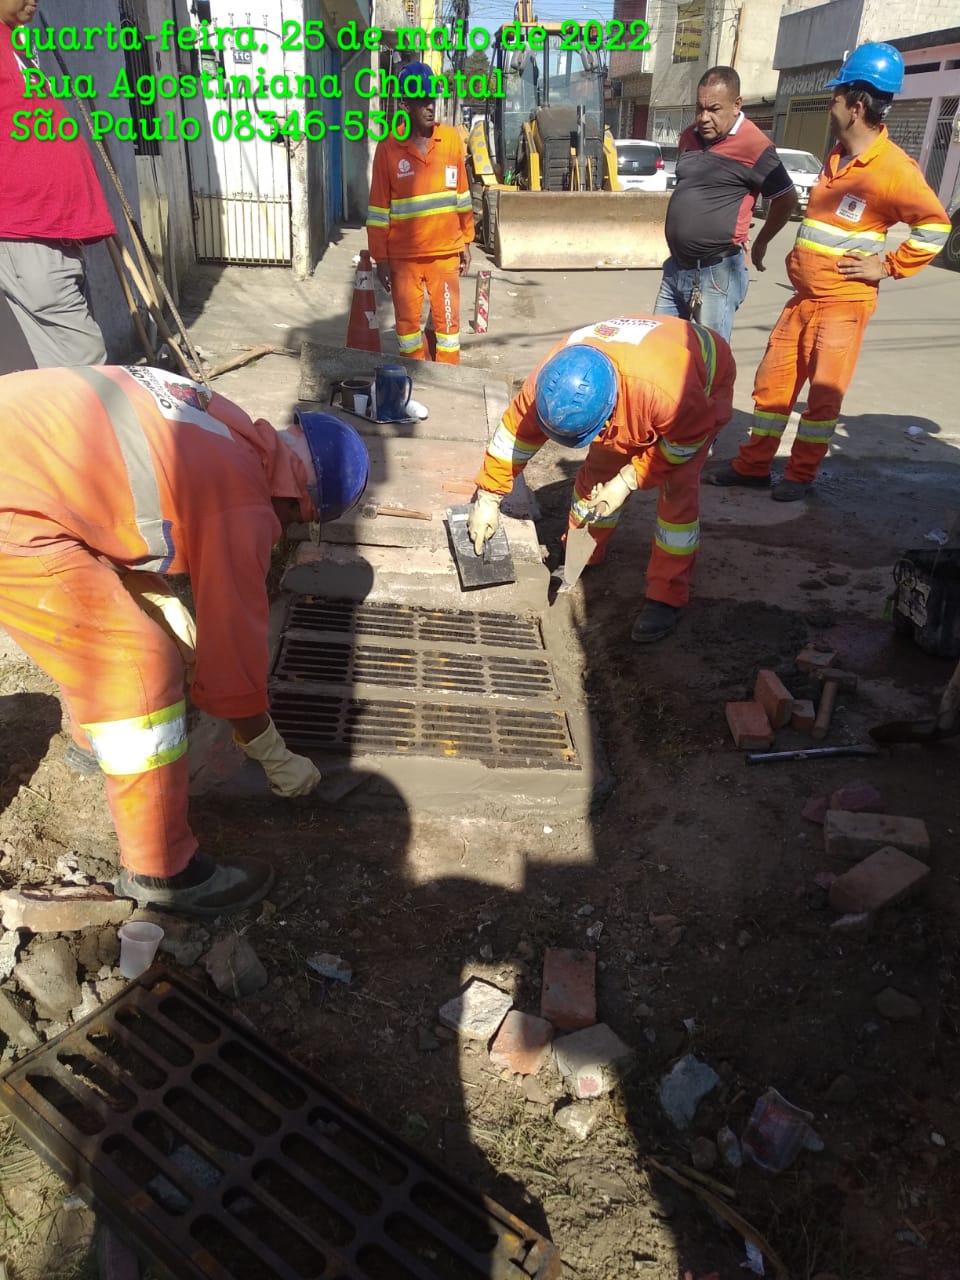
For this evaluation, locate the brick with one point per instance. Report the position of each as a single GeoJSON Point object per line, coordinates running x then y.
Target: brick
{"type": "Point", "coordinates": [62, 909]}
{"type": "Point", "coordinates": [855, 835]}
{"type": "Point", "coordinates": [568, 997]}
{"type": "Point", "coordinates": [857, 797]}
{"type": "Point", "coordinates": [775, 698]}
{"type": "Point", "coordinates": [804, 714]}
{"type": "Point", "coordinates": [815, 810]}
{"type": "Point", "coordinates": [878, 881]}
{"type": "Point", "coordinates": [522, 1043]}
{"type": "Point", "coordinates": [589, 1060]}
{"type": "Point", "coordinates": [814, 660]}
{"type": "Point", "coordinates": [749, 725]}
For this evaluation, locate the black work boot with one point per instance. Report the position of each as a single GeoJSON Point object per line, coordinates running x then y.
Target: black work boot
{"type": "Point", "coordinates": [654, 621]}
{"type": "Point", "coordinates": [204, 888]}
{"type": "Point", "coordinates": [80, 760]}
{"type": "Point", "coordinates": [725, 477]}
{"type": "Point", "coordinates": [790, 491]}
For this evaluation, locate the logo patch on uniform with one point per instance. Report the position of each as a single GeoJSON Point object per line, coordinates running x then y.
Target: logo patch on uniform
{"type": "Point", "coordinates": [178, 399]}
{"type": "Point", "coordinates": [404, 168]}
{"type": "Point", "coordinates": [451, 177]}
{"type": "Point", "coordinates": [851, 209]}
{"type": "Point", "coordinates": [627, 329]}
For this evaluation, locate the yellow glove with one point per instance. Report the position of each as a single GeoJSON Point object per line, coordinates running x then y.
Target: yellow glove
{"type": "Point", "coordinates": [288, 774]}
{"type": "Point", "coordinates": [610, 497]}
{"type": "Point", "coordinates": [483, 518]}
{"type": "Point", "coordinates": [158, 601]}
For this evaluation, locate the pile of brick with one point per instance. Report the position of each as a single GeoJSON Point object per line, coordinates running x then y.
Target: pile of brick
{"type": "Point", "coordinates": [889, 856]}
{"type": "Point", "coordinates": [754, 723]}
{"type": "Point", "coordinates": [587, 1055]}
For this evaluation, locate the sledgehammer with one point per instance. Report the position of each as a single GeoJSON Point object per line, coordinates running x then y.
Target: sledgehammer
{"type": "Point", "coordinates": [833, 680]}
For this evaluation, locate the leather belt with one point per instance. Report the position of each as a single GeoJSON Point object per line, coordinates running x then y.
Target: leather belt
{"type": "Point", "coordinates": [712, 260]}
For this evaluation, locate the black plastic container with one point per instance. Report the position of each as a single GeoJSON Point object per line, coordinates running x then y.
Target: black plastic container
{"type": "Point", "coordinates": [926, 602]}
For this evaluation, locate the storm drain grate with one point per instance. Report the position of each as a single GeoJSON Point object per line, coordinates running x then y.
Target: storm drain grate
{"type": "Point", "coordinates": [303, 658]}
{"type": "Point", "coordinates": [407, 622]}
{"type": "Point", "coordinates": [499, 736]}
{"type": "Point", "coordinates": [224, 1160]}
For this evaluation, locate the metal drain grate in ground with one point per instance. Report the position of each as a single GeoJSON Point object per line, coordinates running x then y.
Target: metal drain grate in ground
{"type": "Point", "coordinates": [476, 686]}
{"type": "Point", "coordinates": [484, 674]}
{"type": "Point", "coordinates": [521, 738]}
{"type": "Point", "coordinates": [407, 622]}
{"type": "Point", "coordinates": [223, 1160]}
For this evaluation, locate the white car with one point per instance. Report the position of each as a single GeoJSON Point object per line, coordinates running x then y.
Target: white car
{"type": "Point", "coordinates": [804, 169]}
{"type": "Point", "coordinates": [640, 165]}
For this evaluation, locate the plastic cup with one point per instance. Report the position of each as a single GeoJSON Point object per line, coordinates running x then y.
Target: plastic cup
{"type": "Point", "coordinates": [139, 940]}
{"type": "Point", "coordinates": [360, 405]}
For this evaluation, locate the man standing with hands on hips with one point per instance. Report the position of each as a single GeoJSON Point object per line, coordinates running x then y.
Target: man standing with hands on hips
{"type": "Point", "coordinates": [836, 266]}
{"type": "Point", "coordinates": [724, 163]}
{"type": "Point", "coordinates": [420, 220]}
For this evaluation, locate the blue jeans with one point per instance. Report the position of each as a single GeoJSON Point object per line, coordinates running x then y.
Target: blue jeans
{"type": "Point", "coordinates": [723, 287]}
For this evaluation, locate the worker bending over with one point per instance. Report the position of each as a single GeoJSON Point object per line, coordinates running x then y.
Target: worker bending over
{"type": "Point", "coordinates": [648, 394]}
{"type": "Point", "coordinates": [836, 266]}
{"type": "Point", "coordinates": [118, 477]}
{"type": "Point", "coordinates": [420, 220]}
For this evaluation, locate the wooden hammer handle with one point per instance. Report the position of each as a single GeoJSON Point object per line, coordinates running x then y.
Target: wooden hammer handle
{"type": "Point", "coordinates": [825, 710]}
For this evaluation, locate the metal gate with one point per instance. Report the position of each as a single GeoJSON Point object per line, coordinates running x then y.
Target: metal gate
{"type": "Point", "coordinates": [907, 123]}
{"type": "Point", "coordinates": [942, 134]}
{"type": "Point", "coordinates": [807, 126]}
{"type": "Point", "coordinates": [240, 185]}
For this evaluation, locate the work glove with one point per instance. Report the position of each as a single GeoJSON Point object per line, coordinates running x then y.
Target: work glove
{"type": "Point", "coordinates": [288, 775]}
{"type": "Point", "coordinates": [158, 601]}
{"type": "Point", "coordinates": [483, 518]}
{"type": "Point", "coordinates": [607, 498]}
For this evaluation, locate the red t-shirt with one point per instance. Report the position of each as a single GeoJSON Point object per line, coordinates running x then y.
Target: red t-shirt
{"type": "Point", "coordinates": [49, 190]}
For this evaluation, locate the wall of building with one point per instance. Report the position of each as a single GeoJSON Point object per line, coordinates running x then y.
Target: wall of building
{"type": "Point", "coordinates": [882, 20]}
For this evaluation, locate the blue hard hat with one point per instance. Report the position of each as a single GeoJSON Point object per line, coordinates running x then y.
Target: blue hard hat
{"type": "Point", "coordinates": [417, 81]}
{"type": "Point", "coordinates": [575, 394]}
{"type": "Point", "coordinates": [878, 65]}
{"type": "Point", "coordinates": [341, 462]}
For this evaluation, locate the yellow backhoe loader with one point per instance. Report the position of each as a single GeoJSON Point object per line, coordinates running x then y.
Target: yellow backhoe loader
{"type": "Point", "coordinates": [542, 165]}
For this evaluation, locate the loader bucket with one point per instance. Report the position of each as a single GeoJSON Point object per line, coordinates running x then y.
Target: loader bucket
{"type": "Point", "coordinates": [580, 230]}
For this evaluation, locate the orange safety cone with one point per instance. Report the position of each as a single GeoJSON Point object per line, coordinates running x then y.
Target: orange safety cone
{"type": "Point", "coordinates": [363, 330]}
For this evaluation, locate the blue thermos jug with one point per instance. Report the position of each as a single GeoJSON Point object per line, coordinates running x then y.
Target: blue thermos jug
{"type": "Point", "coordinates": [393, 386]}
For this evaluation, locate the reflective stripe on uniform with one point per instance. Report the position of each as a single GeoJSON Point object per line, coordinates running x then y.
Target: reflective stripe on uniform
{"type": "Point", "coordinates": [769, 424]}
{"type": "Point", "coordinates": [582, 512]}
{"type": "Point", "coordinates": [141, 743]}
{"type": "Point", "coordinates": [408, 342]}
{"type": "Point", "coordinates": [447, 341]}
{"type": "Point", "coordinates": [678, 539]}
{"type": "Point", "coordinates": [680, 453]}
{"type": "Point", "coordinates": [816, 432]}
{"type": "Point", "coordinates": [421, 206]}
{"type": "Point", "coordinates": [708, 349]}
{"type": "Point", "coordinates": [505, 447]}
{"type": "Point", "coordinates": [464, 202]}
{"type": "Point", "coordinates": [823, 237]}
{"type": "Point", "coordinates": [929, 235]}
{"type": "Point", "coordinates": [141, 475]}
{"type": "Point", "coordinates": [377, 217]}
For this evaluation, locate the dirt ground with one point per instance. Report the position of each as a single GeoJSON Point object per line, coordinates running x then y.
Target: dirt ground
{"type": "Point", "coordinates": [748, 975]}
{"type": "Point", "coordinates": [693, 877]}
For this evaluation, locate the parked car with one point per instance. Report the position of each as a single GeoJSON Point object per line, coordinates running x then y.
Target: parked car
{"type": "Point", "coordinates": [640, 165]}
{"type": "Point", "coordinates": [804, 169]}
{"type": "Point", "coordinates": [669, 152]}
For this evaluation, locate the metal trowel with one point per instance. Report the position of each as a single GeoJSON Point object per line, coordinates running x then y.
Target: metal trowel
{"type": "Point", "coordinates": [493, 568]}
{"type": "Point", "coordinates": [579, 547]}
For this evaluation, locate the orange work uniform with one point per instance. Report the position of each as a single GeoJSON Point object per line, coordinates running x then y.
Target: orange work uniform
{"type": "Point", "coordinates": [674, 393]}
{"type": "Point", "coordinates": [819, 332]}
{"type": "Point", "coordinates": [118, 469]}
{"type": "Point", "coordinates": [419, 220]}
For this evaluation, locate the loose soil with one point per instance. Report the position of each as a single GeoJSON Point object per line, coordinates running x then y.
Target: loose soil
{"type": "Point", "coordinates": [750, 976]}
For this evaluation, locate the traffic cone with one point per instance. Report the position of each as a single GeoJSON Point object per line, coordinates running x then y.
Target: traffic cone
{"type": "Point", "coordinates": [363, 330]}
